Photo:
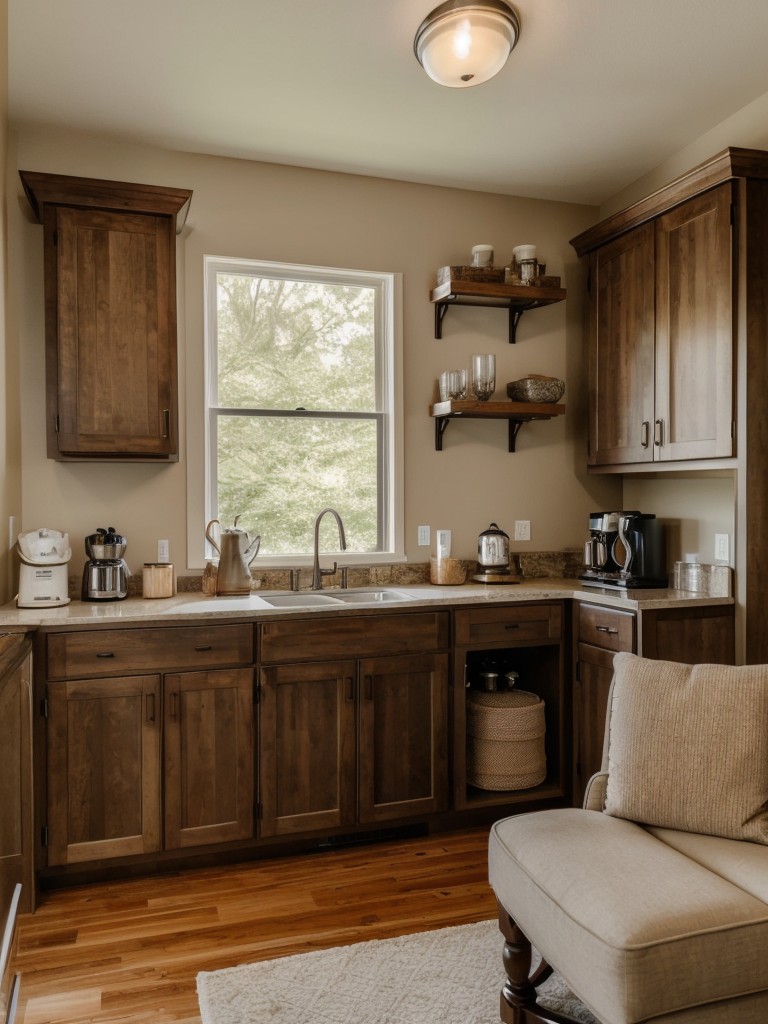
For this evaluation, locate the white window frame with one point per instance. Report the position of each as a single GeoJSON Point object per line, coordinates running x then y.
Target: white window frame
{"type": "Point", "coordinates": [389, 412]}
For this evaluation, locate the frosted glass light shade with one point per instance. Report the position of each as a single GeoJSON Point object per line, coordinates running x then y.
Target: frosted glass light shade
{"type": "Point", "coordinates": [466, 42]}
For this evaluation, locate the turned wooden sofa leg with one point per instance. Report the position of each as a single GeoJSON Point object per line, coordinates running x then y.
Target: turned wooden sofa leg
{"type": "Point", "coordinates": [517, 1003]}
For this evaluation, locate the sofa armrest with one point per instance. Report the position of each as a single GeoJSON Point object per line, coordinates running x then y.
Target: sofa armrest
{"type": "Point", "coordinates": [594, 794]}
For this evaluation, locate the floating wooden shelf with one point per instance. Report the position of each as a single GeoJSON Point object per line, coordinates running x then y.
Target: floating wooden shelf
{"type": "Point", "coordinates": [517, 413]}
{"type": "Point", "coordinates": [514, 297]}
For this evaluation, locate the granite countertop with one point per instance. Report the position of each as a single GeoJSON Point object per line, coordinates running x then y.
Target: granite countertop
{"type": "Point", "coordinates": [194, 606]}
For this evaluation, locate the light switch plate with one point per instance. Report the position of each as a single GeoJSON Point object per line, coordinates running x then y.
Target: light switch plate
{"type": "Point", "coordinates": [722, 547]}
{"type": "Point", "coordinates": [423, 536]}
{"type": "Point", "coordinates": [522, 529]}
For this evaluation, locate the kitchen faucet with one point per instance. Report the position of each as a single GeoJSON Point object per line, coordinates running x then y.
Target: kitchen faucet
{"type": "Point", "coordinates": [317, 572]}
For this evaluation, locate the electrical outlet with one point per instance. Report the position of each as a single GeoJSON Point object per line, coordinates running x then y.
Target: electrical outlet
{"type": "Point", "coordinates": [423, 536]}
{"type": "Point", "coordinates": [163, 551]}
{"type": "Point", "coordinates": [522, 529]}
{"type": "Point", "coordinates": [722, 547]}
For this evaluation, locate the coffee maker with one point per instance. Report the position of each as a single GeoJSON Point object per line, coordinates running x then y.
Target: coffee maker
{"type": "Point", "coordinates": [624, 551]}
{"type": "Point", "coordinates": [105, 576]}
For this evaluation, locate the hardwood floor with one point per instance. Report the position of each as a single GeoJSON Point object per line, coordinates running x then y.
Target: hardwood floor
{"type": "Point", "coordinates": [130, 951]}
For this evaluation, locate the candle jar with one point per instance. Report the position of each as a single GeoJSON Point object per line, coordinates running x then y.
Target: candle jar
{"type": "Point", "coordinates": [483, 376]}
{"type": "Point", "coordinates": [482, 255]}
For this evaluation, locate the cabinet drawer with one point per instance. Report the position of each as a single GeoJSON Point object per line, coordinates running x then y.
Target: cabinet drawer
{"type": "Point", "coordinates": [609, 628]}
{"type": "Point", "coordinates": [358, 636]}
{"type": "Point", "coordinates": [510, 625]}
{"type": "Point", "coordinates": [120, 651]}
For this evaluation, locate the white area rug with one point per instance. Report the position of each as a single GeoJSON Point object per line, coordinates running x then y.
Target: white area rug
{"type": "Point", "coordinates": [448, 976]}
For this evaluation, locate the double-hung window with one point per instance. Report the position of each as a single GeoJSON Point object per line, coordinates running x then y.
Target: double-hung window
{"type": "Point", "coordinates": [302, 400]}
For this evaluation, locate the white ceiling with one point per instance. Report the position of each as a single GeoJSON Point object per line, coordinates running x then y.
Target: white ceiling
{"type": "Point", "coordinates": [596, 93]}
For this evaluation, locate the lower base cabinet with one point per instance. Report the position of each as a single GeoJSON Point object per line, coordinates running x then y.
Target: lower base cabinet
{"type": "Point", "coordinates": [104, 785]}
{"type": "Point", "coordinates": [354, 741]}
{"type": "Point", "coordinates": [208, 770]}
{"type": "Point", "coordinates": [137, 764]}
{"type": "Point", "coordinates": [158, 746]}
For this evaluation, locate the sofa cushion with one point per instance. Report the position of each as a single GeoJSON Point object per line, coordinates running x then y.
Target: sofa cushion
{"type": "Point", "coordinates": [743, 864]}
{"type": "Point", "coordinates": [688, 747]}
{"type": "Point", "coordinates": [563, 877]}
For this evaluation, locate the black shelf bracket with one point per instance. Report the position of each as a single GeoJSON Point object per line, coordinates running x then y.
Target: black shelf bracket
{"type": "Point", "coordinates": [441, 308]}
{"type": "Point", "coordinates": [441, 423]}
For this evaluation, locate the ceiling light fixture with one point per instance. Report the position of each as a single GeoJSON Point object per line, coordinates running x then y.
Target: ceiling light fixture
{"type": "Point", "coordinates": [466, 42]}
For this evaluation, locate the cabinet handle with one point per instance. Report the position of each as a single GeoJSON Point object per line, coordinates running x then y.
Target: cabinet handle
{"type": "Point", "coordinates": [512, 625]}
{"type": "Point", "coordinates": [174, 706]}
{"type": "Point", "coordinates": [204, 647]}
{"type": "Point", "coordinates": [606, 629]}
{"type": "Point", "coordinates": [105, 654]}
{"type": "Point", "coordinates": [350, 689]}
{"type": "Point", "coordinates": [150, 707]}
{"type": "Point", "coordinates": [645, 434]}
{"type": "Point", "coordinates": [166, 422]}
{"type": "Point", "coordinates": [368, 680]}
{"type": "Point", "coordinates": [658, 433]}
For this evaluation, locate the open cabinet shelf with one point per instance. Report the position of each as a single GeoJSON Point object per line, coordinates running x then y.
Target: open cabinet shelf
{"type": "Point", "coordinates": [517, 413]}
{"type": "Point", "coordinates": [514, 297]}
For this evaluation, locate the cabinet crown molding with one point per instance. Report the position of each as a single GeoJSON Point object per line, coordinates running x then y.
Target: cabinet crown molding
{"type": "Point", "coordinates": [121, 196]}
{"type": "Point", "coordinates": [723, 166]}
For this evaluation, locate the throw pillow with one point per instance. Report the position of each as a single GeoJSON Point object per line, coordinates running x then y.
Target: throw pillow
{"type": "Point", "coordinates": [688, 747]}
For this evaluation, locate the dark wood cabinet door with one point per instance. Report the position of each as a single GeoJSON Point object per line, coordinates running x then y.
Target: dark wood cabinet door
{"type": "Point", "coordinates": [209, 782]}
{"type": "Point", "coordinates": [590, 704]}
{"type": "Point", "coordinates": [307, 770]}
{"type": "Point", "coordinates": [403, 736]}
{"type": "Point", "coordinates": [16, 828]}
{"type": "Point", "coordinates": [694, 329]}
{"type": "Point", "coordinates": [103, 768]}
{"type": "Point", "coordinates": [621, 350]}
{"type": "Point", "coordinates": [115, 344]}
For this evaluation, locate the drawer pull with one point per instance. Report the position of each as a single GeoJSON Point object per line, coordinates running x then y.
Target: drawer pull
{"type": "Point", "coordinates": [512, 625]}
{"type": "Point", "coordinates": [204, 647]}
{"type": "Point", "coordinates": [607, 629]}
{"type": "Point", "coordinates": [105, 654]}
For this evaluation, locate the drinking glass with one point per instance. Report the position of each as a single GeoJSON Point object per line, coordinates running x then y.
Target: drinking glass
{"type": "Point", "coordinates": [483, 376]}
{"type": "Point", "coordinates": [453, 385]}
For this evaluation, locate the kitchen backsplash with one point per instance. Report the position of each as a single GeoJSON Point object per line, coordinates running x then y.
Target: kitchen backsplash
{"type": "Point", "coordinates": [530, 565]}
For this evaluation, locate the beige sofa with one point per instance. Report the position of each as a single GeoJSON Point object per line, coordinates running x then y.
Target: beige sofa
{"type": "Point", "coordinates": [652, 901]}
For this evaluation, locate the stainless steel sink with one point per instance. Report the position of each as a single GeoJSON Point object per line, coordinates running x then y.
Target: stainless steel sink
{"type": "Point", "coordinates": [365, 596]}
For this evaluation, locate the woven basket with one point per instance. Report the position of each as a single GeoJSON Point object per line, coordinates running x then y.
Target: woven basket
{"type": "Point", "coordinates": [505, 740]}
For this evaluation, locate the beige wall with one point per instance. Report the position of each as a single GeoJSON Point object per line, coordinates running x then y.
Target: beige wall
{"type": "Point", "coordinates": [272, 212]}
{"type": "Point", "coordinates": [747, 128]}
{"type": "Point", "coordinates": [10, 472]}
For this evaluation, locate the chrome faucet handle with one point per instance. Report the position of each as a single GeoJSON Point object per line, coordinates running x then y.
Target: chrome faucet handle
{"type": "Point", "coordinates": [295, 579]}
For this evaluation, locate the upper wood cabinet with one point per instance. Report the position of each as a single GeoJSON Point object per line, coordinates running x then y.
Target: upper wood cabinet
{"type": "Point", "coordinates": [660, 337]}
{"type": "Point", "coordinates": [110, 315]}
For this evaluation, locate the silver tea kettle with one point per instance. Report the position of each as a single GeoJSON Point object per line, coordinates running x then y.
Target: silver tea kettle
{"type": "Point", "coordinates": [236, 552]}
{"type": "Point", "coordinates": [493, 550]}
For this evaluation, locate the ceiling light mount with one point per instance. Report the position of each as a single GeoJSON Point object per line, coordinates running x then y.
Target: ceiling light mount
{"type": "Point", "coordinates": [466, 42]}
